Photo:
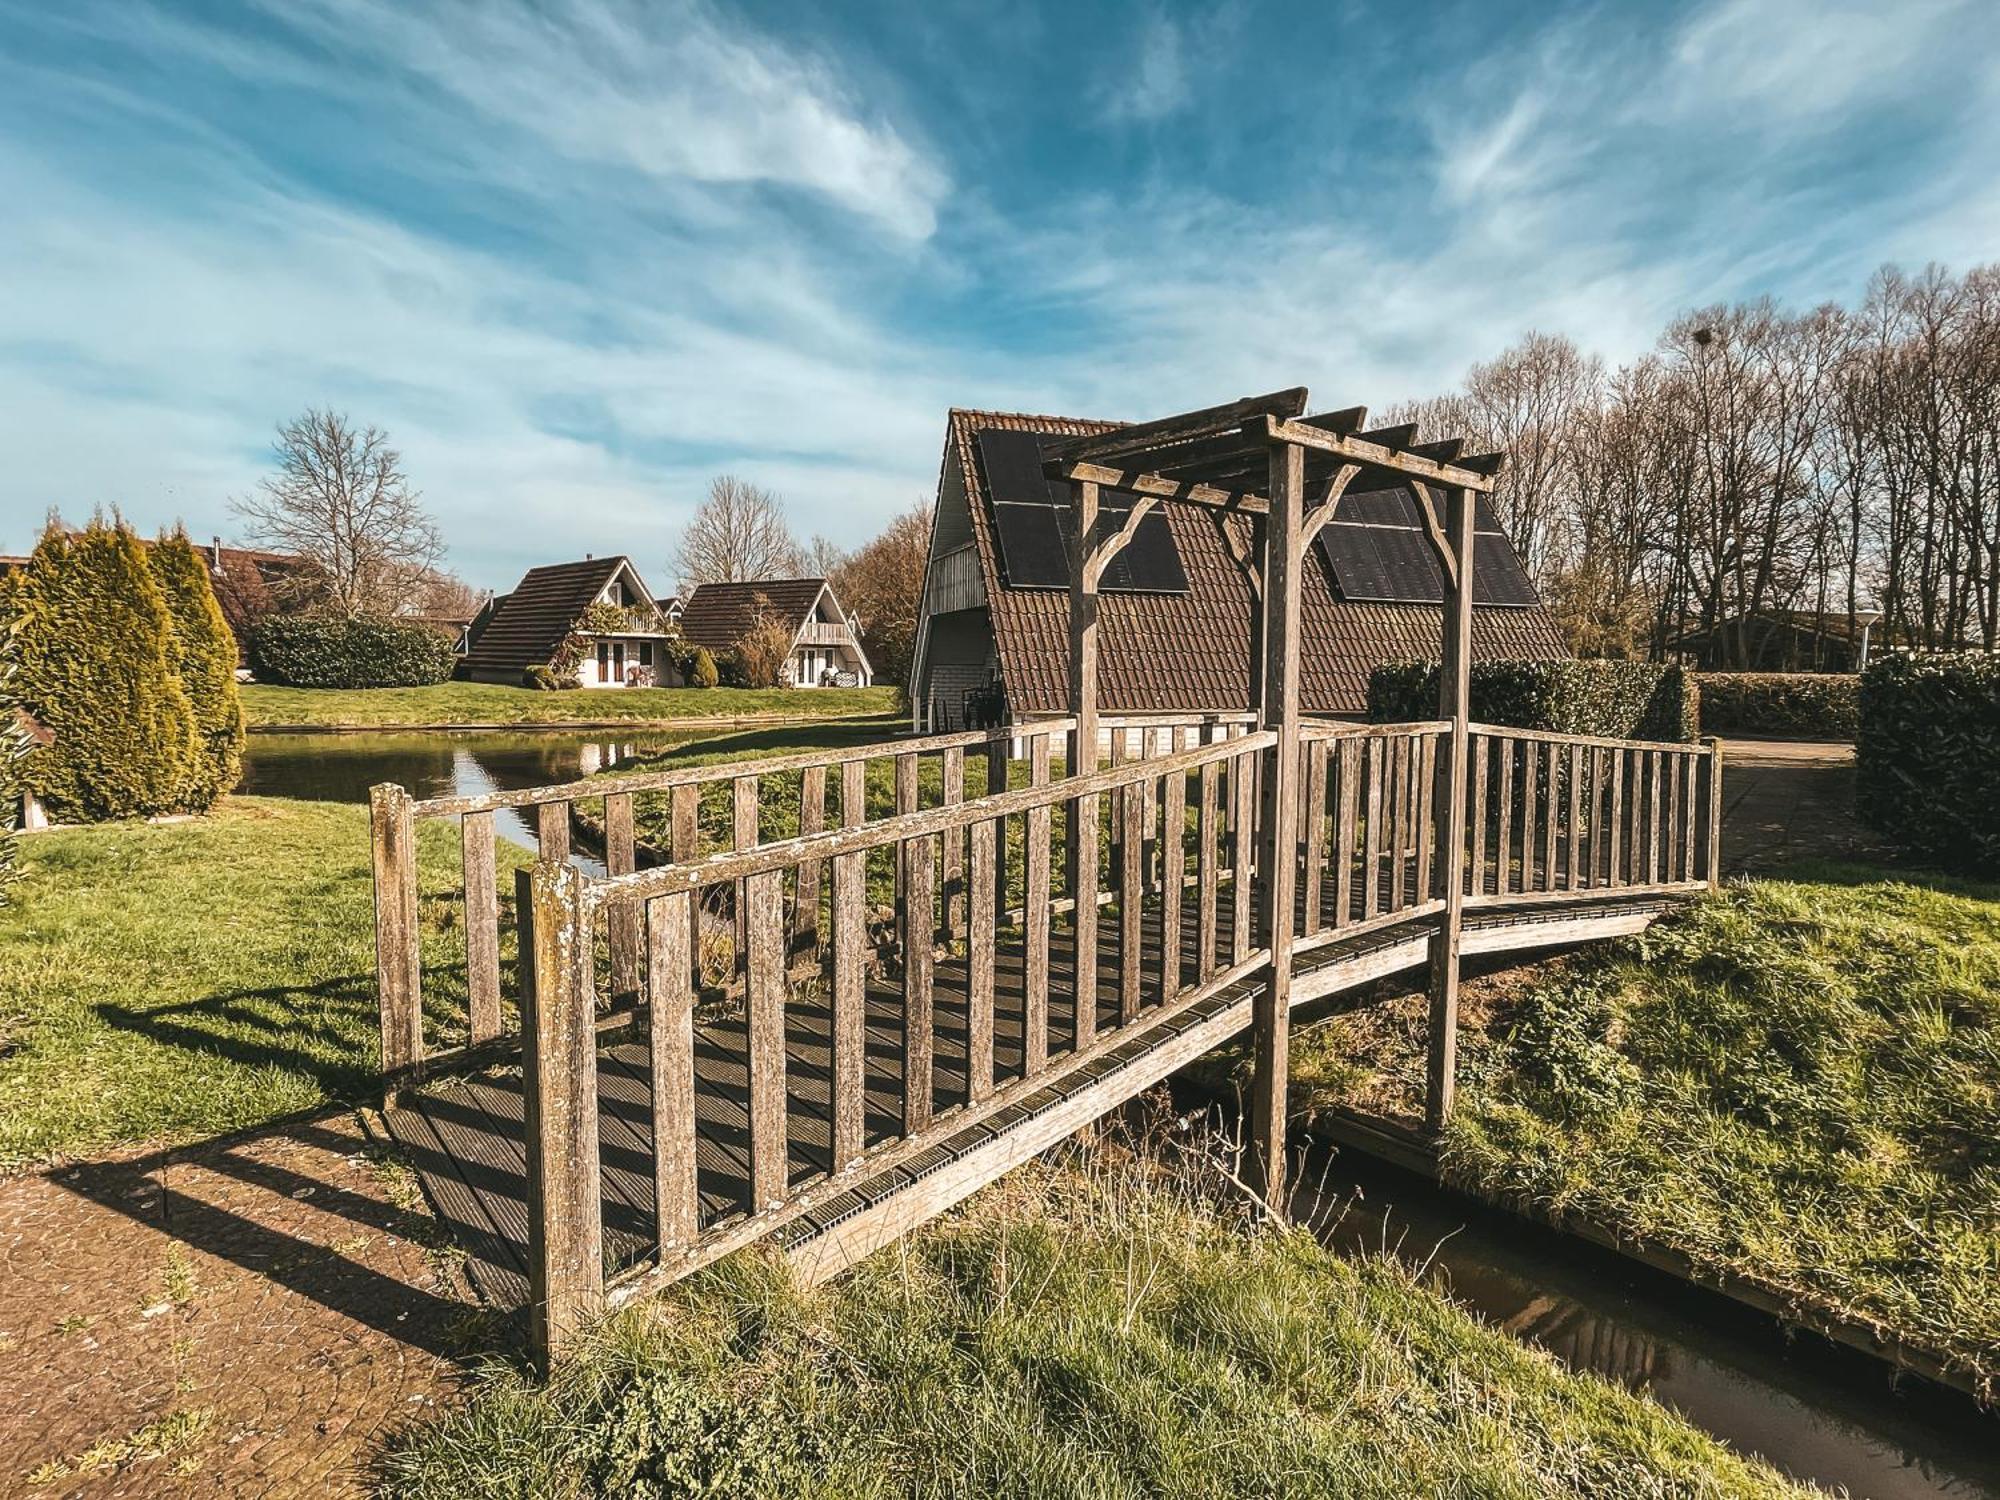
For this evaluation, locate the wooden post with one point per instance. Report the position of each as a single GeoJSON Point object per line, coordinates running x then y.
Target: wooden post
{"type": "Point", "coordinates": [559, 1086]}
{"type": "Point", "coordinates": [1455, 704]}
{"type": "Point", "coordinates": [670, 1047]}
{"type": "Point", "coordinates": [1278, 862]}
{"type": "Point", "coordinates": [1081, 856]}
{"type": "Point", "coordinates": [398, 971]}
{"type": "Point", "coordinates": [850, 977]}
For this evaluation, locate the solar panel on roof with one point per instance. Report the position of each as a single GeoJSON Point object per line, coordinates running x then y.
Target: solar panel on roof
{"type": "Point", "coordinates": [1031, 512]}
{"type": "Point", "coordinates": [1378, 552]}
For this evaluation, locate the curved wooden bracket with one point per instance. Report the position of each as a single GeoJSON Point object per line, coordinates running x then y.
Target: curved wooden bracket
{"type": "Point", "coordinates": [1104, 548]}
{"type": "Point", "coordinates": [1434, 529]}
{"type": "Point", "coordinates": [1320, 514]}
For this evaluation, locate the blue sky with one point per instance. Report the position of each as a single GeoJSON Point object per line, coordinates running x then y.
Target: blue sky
{"type": "Point", "coordinates": [578, 256]}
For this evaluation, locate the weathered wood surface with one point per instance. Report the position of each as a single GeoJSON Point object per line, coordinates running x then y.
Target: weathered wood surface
{"type": "Point", "coordinates": [465, 1137]}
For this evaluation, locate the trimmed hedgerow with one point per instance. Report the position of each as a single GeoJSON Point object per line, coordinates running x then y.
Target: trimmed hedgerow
{"type": "Point", "coordinates": [1792, 705]}
{"type": "Point", "coordinates": [1928, 756]}
{"type": "Point", "coordinates": [321, 651]}
{"type": "Point", "coordinates": [1622, 699]}
{"type": "Point", "coordinates": [204, 654]}
{"type": "Point", "coordinates": [96, 653]}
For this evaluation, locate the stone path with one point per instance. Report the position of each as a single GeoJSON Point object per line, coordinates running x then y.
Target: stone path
{"type": "Point", "coordinates": [1789, 800]}
{"type": "Point", "coordinates": [250, 1316]}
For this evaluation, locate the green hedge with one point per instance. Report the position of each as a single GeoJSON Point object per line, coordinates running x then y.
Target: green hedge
{"type": "Point", "coordinates": [322, 652]}
{"type": "Point", "coordinates": [1928, 756]}
{"type": "Point", "coordinates": [1622, 699]}
{"type": "Point", "coordinates": [1792, 705]}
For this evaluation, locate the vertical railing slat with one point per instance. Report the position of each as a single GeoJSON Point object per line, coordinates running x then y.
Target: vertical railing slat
{"type": "Point", "coordinates": [624, 923]}
{"type": "Point", "coordinates": [482, 926]}
{"type": "Point", "coordinates": [1503, 877]}
{"type": "Point", "coordinates": [1575, 829]}
{"type": "Point", "coordinates": [1480, 750]}
{"type": "Point", "coordinates": [1035, 919]}
{"type": "Point", "coordinates": [1371, 879]}
{"type": "Point", "coordinates": [1313, 836]}
{"type": "Point", "coordinates": [1173, 875]}
{"type": "Point", "coordinates": [762, 899]}
{"type": "Point", "coordinates": [1131, 897]}
{"type": "Point", "coordinates": [1208, 877]}
{"type": "Point", "coordinates": [1400, 810]}
{"type": "Point", "coordinates": [919, 1003]}
{"type": "Point", "coordinates": [1242, 856]}
{"type": "Point", "coordinates": [670, 1050]}
{"type": "Point", "coordinates": [981, 934]}
{"type": "Point", "coordinates": [850, 975]}
{"type": "Point", "coordinates": [951, 860]}
{"type": "Point", "coordinates": [1347, 769]}
{"type": "Point", "coordinates": [806, 880]}
{"type": "Point", "coordinates": [1653, 819]}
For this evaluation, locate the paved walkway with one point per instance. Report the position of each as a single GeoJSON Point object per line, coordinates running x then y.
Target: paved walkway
{"type": "Point", "coordinates": [250, 1316]}
{"type": "Point", "coordinates": [1790, 800]}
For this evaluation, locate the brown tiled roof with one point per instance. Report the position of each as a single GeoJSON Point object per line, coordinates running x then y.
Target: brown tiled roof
{"type": "Point", "coordinates": [529, 624]}
{"type": "Point", "coordinates": [718, 615]}
{"type": "Point", "coordinates": [1187, 652]}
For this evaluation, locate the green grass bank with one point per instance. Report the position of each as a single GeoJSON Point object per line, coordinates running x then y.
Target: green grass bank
{"type": "Point", "coordinates": [166, 982]}
{"type": "Point", "coordinates": [1795, 1083]}
{"type": "Point", "coordinates": [1074, 1332]}
{"type": "Point", "coordinates": [459, 703]}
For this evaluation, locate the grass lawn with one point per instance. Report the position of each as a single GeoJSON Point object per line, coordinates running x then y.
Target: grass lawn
{"type": "Point", "coordinates": [168, 982]}
{"type": "Point", "coordinates": [494, 703]}
{"type": "Point", "coordinates": [1074, 1332]}
{"type": "Point", "coordinates": [1796, 1081]}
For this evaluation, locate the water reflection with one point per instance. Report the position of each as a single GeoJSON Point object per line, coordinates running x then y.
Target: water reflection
{"type": "Point", "coordinates": [1823, 1414]}
{"type": "Point", "coordinates": [341, 767]}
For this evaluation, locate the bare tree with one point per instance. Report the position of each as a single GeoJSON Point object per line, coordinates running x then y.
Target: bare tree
{"type": "Point", "coordinates": [824, 559]}
{"type": "Point", "coordinates": [340, 501]}
{"type": "Point", "coordinates": [738, 535]}
{"type": "Point", "coordinates": [883, 585]}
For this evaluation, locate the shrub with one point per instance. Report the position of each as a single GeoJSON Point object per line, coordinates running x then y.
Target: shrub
{"type": "Point", "coordinates": [324, 652]}
{"type": "Point", "coordinates": [762, 652]}
{"type": "Point", "coordinates": [701, 670]}
{"type": "Point", "coordinates": [1621, 699]}
{"type": "Point", "coordinates": [1928, 756]}
{"type": "Point", "coordinates": [97, 652]}
{"type": "Point", "coordinates": [1793, 705]}
{"type": "Point", "coordinates": [204, 654]}
{"type": "Point", "coordinates": [541, 678]}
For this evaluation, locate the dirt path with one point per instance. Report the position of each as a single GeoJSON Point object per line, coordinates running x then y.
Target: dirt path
{"type": "Point", "coordinates": [1789, 800]}
{"type": "Point", "coordinates": [245, 1317]}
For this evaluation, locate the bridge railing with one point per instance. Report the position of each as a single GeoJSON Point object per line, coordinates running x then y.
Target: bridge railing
{"type": "Point", "coordinates": [1010, 990]}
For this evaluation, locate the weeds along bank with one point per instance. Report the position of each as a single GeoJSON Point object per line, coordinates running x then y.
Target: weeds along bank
{"type": "Point", "coordinates": [1795, 1083]}
{"type": "Point", "coordinates": [1093, 1329]}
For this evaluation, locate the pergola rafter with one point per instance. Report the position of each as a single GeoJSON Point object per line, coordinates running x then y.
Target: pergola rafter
{"type": "Point", "coordinates": [1263, 457]}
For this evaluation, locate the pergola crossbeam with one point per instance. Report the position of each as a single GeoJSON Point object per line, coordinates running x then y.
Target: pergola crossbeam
{"type": "Point", "coordinates": [1208, 421]}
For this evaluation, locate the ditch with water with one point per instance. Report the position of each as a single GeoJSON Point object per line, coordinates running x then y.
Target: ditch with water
{"type": "Point", "coordinates": [1821, 1413]}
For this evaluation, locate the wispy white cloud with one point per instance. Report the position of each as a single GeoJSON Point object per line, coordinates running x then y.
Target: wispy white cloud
{"type": "Point", "coordinates": [1156, 83]}
{"type": "Point", "coordinates": [1801, 58]}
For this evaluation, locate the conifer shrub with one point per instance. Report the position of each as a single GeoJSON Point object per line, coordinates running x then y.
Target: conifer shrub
{"type": "Point", "coordinates": [322, 651]}
{"type": "Point", "coordinates": [204, 654]}
{"type": "Point", "coordinates": [1635, 700]}
{"type": "Point", "coordinates": [97, 668]}
{"type": "Point", "coordinates": [701, 671]}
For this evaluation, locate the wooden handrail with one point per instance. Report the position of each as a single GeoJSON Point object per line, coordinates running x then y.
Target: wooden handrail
{"type": "Point", "coordinates": [1602, 742]}
{"type": "Point", "coordinates": [649, 781]}
{"type": "Point", "coordinates": [1327, 729]}
{"type": "Point", "coordinates": [734, 865]}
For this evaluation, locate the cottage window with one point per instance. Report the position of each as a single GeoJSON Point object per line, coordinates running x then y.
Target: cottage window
{"type": "Point", "coordinates": [645, 653]}
{"type": "Point", "coordinates": [603, 662]}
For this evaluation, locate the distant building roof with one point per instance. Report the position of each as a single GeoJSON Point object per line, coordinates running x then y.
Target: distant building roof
{"type": "Point", "coordinates": [526, 627]}
{"type": "Point", "coordinates": [718, 615]}
{"type": "Point", "coordinates": [1190, 651]}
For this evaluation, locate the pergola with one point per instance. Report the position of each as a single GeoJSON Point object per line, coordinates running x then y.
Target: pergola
{"type": "Point", "coordinates": [1264, 458]}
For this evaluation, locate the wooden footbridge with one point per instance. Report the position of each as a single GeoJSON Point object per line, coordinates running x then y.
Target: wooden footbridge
{"type": "Point", "coordinates": [819, 998]}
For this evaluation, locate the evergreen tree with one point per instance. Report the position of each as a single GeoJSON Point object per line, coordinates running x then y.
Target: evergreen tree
{"type": "Point", "coordinates": [96, 656]}
{"type": "Point", "coordinates": [204, 655]}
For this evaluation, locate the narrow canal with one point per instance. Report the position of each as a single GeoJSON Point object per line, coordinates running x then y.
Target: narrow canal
{"type": "Point", "coordinates": [1821, 1413]}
